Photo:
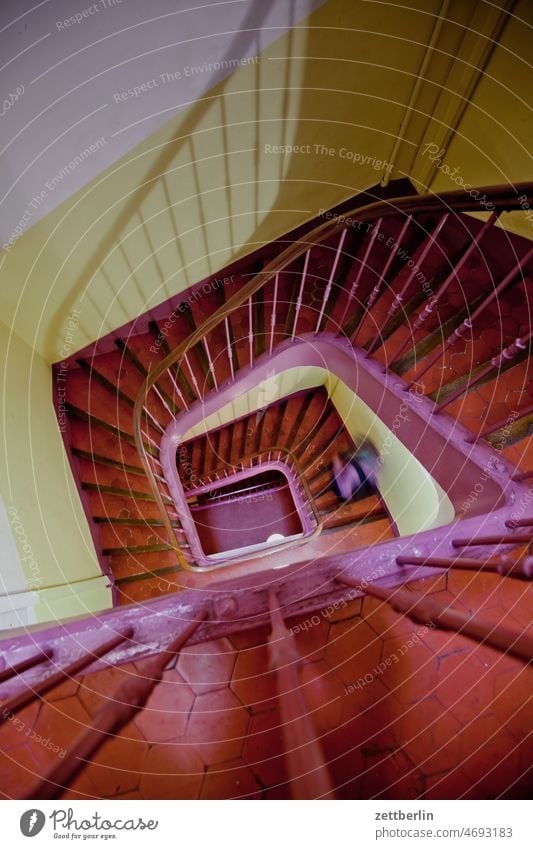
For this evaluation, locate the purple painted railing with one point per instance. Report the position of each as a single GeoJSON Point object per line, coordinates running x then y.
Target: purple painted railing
{"type": "Point", "coordinates": [275, 457]}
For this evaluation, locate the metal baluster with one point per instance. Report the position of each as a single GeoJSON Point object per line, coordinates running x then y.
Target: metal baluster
{"type": "Point", "coordinates": [230, 356]}
{"type": "Point", "coordinates": [330, 281]}
{"type": "Point", "coordinates": [503, 564]}
{"type": "Point", "coordinates": [306, 765]}
{"type": "Point", "coordinates": [499, 424]}
{"type": "Point", "coordinates": [193, 376]}
{"type": "Point", "coordinates": [251, 329]}
{"type": "Point", "coordinates": [177, 390]}
{"type": "Point", "coordinates": [130, 697]}
{"type": "Point", "coordinates": [28, 695]}
{"type": "Point", "coordinates": [376, 291]}
{"type": "Point", "coordinates": [355, 285]}
{"type": "Point", "coordinates": [210, 361]}
{"type": "Point", "coordinates": [496, 363]}
{"type": "Point", "coordinates": [493, 539]}
{"type": "Point", "coordinates": [397, 303]}
{"type": "Point", "coordinates": [454, 274]}
{"type": "Point", "coordinates": [425, 609]}
{"type": "Point", "coordinates": [273, 316]}
{"type": "Point", "coordinates": [300, 294]}
{"type": "Point", "coordinates": [467, 323]}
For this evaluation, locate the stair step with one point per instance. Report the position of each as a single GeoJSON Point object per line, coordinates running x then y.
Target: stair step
{"type": "Point", "coordinates": [95, 422]}
{"type": "Point", "coordinates": [123, 493]}
{"type": "Point", "coordinates": [353, 511]}
{"type": "Point", "coordinates": [125, 564]}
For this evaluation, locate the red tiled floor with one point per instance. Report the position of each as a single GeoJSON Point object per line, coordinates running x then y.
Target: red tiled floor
{"type": "Point", "coordinates": [59, 722]}
{"type": "Point", "coordinates": [217, 726]}
{"type": "Point", "coordinates": [207, 666]}
{"type": "Point", "coordinates": [253, 682]}
{"type": "Point", "coordinates": [263, 749]}
{"type": "Point", "coordinates": [391, 776]}
{"type": "Point", "coordinates": [354, 649]}
{"type": "Point", "coordinates": [172, 771]}
{"type": "Point", "coordinates": [464, 686]}
{"type": "Point", "coordinates": [230, 780]}
{"type": "Point", "coordinates": [19, 771]}
{"type": "Point", "coordinates": [166, 712]}
{"type": "Point", "coordinates": [430, 736]}
{"type": "Point", "coordinates": [488, 755]}
{"type": "Point", "coordinates": [117, 765]}
{"type": "Point", "coordinates": [411, 672]}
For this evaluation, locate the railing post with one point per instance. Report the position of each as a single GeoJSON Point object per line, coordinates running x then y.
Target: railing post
{"type": "Point", "coordinates": [503, 564]}
{"type": "Point", "coordinates": [426, 610]}
{"type": "Point", "coordinates": [130, 697]}
{"type": "Point", "coordinates": [376, 291]}
{"type": "Point", "coordinates": [459, 332]}
{"type": "Point", "coordinates": [40, 657]}
{"type": "Point", "coordinates": [306, 766]}
{"type": "Point", "coordinates": [330, 280]}
{"type": "Point", "coordinates": [300, 294]}
{"type": "Point", "coordinates": [397, 303]}
{"type": "Point", "coordinates": [454, 275]}
{"type": "Point", "coordinates": [29, 695]}
{"type": "Point", "coordinates": [363, 264]}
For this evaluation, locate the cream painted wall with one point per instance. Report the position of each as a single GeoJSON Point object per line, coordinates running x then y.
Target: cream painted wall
{"type": "Point", "coordinates": [492, 142]}
{"type": "Point", "coordinates": [215, 182]}
{"type": "Point", "coordinates": [46, 526]}
{"type": "Point", "coordinates": [414, 499]}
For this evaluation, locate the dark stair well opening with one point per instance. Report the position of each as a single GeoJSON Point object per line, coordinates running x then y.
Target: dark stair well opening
{"type": "Point", "coordinates": [253, 511]}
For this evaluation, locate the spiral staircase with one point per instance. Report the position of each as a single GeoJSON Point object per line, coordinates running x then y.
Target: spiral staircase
{"type": "Point", "coordinates": [267, 639]}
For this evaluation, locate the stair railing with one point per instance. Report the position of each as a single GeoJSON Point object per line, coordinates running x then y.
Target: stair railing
{"type": "Point", "coordinates": [501, 199]}
{"type": "Point", "coordinates": [267, 458]}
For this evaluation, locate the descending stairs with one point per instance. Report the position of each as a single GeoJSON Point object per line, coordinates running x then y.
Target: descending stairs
{"type": "Point", "coordinates": [397, 290]}
{"type": "Point", "coordinates": [306, 423]}
{"type": "Point", "coordinates": [401, 709]}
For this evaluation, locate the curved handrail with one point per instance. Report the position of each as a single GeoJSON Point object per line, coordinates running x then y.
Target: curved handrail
{"type": "Point", "coordinates": [301, 480]}
{"type": "Point", "coordinates": [501, 198]}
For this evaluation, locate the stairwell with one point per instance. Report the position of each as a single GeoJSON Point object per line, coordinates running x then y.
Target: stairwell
{"type": "Point", "coordinates": [426, 299]}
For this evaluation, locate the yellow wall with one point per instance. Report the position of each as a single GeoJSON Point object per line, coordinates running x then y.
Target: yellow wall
{"type": "Point", "coordinates": [36, 486]}
{"type": "Point", "coordinates": [492, 142]}
{"type": "Point", "coordinates": [414, 499]}
{"type": "Point", "coordinates": [206, 188]}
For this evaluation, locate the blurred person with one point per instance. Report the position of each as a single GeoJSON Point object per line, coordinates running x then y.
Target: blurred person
{"type": "Point", "coordinates": [355, 473]}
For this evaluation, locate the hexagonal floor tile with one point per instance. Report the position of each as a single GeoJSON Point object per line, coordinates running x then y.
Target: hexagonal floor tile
{"type": "Point", "coordinates": [253, 682]}
{"type": "Point", "coordinates": [207, 666]}
{"type": "Point", "coordinates": [430, 736]}
{"type": "Point", "coordinates": [117, 765]}
{"type": "Point", "coordinates": [172, 771]}
{"type": "Point", "coordinates": [353, 650]}
{"type": "Point", "coordinates": [217, 726]}
{"type": "Point", "coordinates": [230, 780]}
{"type": "Point", "coordinates": [165, 714]}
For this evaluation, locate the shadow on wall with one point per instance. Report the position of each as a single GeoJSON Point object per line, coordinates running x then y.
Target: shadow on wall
{"type": "Point", "coordinates": [265, 150]}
